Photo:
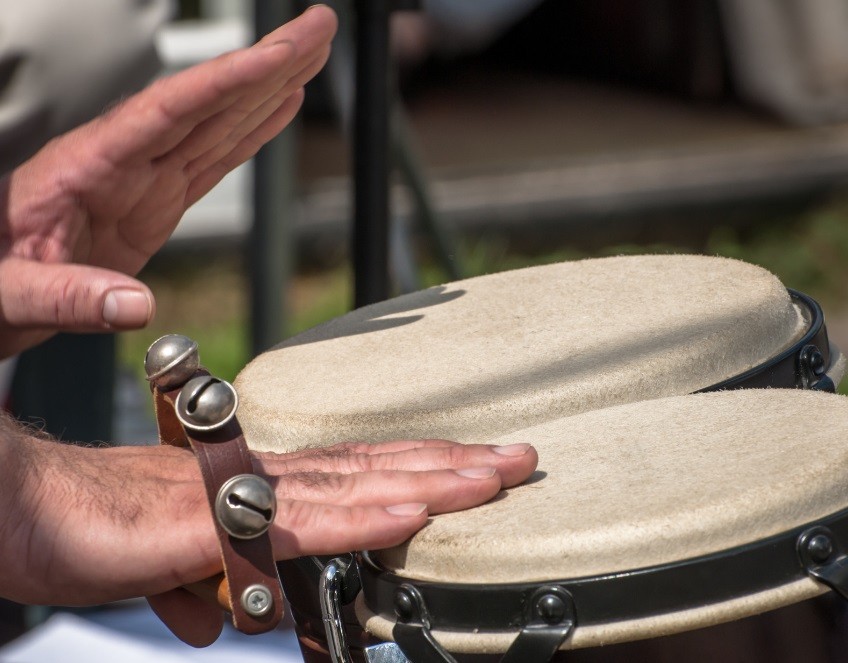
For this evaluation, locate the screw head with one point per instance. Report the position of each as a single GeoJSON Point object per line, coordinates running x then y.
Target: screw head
{"type": "Point", "coordinates": [551, 609]}
{"type": "Point", "coordinates": [245, 506]}
{"type": "Point", "coordinates": [820, 548]}
{"type": "Point", "coordinates": [257, 600]}
{"type": "Point", "coordinates": [404, 608]}
{"type": "Point", "coordinates": [171, 360]}
{"type": "Point", "coordinates": [206, 403]}
{"type": "Point", "coordinates": [817, 361]}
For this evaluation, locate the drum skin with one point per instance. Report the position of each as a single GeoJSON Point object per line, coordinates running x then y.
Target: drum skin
{"type": "Point", "coordinates": [493, 354]}
{"type": "Point", "coordinates": [491, 357]}
{"type": "Point", "coordinates": [642, 485]}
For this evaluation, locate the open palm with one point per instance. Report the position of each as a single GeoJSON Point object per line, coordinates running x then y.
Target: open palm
{"type": "Point", "coordinates": [89, 210]}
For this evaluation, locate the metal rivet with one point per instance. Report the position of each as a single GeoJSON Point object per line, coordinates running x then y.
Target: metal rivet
{"type": "Point", "coordinates": [245, 506]}
{"type": "Point", "coordinates": [817, 362]}
{"type": "Point", "coordinates": [551, 609]}
{"type": "Point", "coordinates": [404, 608]}
{"type": "Point", "coordinates": [206, 403]}
{"type": "Point", "coordinates": [257, 600]}
{"type": "Point", "coordinates": [171, 360]}
{"type": "Point", "coordinates": [820, 548]}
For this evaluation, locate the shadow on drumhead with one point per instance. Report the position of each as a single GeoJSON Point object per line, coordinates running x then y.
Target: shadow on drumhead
{"type": "Point", "coordinates": [376, 317]}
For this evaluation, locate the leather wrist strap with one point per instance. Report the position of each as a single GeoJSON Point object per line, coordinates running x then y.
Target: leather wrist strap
{"type": "Point", "coordinates": [250, 572]}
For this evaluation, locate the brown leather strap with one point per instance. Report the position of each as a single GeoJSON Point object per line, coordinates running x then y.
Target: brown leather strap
{"type": "Point", "coordinates": [221, 455]}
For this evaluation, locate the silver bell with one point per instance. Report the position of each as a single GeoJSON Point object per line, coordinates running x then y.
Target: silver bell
{"type": "Point", "coordinates": [171, 360]}
{"type": "Point", "coordinates": [245, 506]}
{"type": "Point", "coordinates": [206, 403]}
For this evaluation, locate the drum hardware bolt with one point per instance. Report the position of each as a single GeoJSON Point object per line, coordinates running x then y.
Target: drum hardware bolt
{"type": "Point", "coordinates": [551, 609]}
{"type": "Point", "coordinates": [821, 559]}
{"type": "Point", "coordinates": [404, 606]}
{"type": "Point", "coordinates": [820, 548]}
{"type": "Point", "coordinates": [171, 360]}
{"type": "Point", "coordinates": [257, 600]}
{"type": "Point", "coordinates": [817, 362]}
{"type": "Point", "coordinates": [245, 506]}
{"type": "Point", "coordinates": [206, 403]}
{"type": "Point", "coordinates": [811, 363]}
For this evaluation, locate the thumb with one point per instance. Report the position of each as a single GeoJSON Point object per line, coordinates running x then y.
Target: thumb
{"type": "Point", "coordinates": [70, 297]}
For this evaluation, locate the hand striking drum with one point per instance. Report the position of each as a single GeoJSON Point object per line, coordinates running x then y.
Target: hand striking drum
{"type": "Point", "coordinates": [654, 511]}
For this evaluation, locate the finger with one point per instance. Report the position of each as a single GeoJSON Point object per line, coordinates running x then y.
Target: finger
{"type": "Point", "coordinates": [204, 181]}
{"type": "Point", "coordinates": [216, 135]}
{"type": "Point", "coordinates": [153, 122]}
{"type": "Point", "coordinates": [190, 618]}
{"type": "Point", "coordinates": [346, 448]}
{"type": "Point", "coordinates": [441, 490]}
{"type": "Point", "coordinates": [513, 463]}
{"type": "Point", "coordinates": [305, 528]}
{"type": "Point", "coordinates": [302, 30]}
{"type": "Point", "coordinates": [71, 297]}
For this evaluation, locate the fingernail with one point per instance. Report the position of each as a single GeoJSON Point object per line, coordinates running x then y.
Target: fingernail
{"type": "Point", "coordinates": [512, 449]}
{"type": "Point", "coordinates": [127, 309]}
{"type": "Point", "coordinates": [476, 472]}
{"type": "Point", "coordinates": [311, 7]}
{"type": "Point", "coordinates": [411, 509]}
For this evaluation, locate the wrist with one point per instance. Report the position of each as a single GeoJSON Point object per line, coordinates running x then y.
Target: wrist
{"type": "Point", "coordinates": [18, 471]}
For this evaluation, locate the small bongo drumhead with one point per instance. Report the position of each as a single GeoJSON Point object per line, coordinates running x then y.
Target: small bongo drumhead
{"type": "Point", "coordinates": [644, 485]}
{"type": "Point", "coordinates": [487, 355]}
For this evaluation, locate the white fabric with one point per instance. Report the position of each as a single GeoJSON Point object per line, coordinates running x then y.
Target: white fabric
{"type": "Point", "coordinates": [791, 57]}
{"type": "Point", "coordinates": [62, 63]}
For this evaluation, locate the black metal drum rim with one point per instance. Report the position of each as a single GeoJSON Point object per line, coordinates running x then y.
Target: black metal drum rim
{"type": "Point", "coordinates": [782, 370]}
{"type": "Point", "coordinates": [621, 596]}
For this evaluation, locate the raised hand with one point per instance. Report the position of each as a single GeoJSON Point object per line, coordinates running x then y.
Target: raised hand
{"type": "Point", "coordinates": [85, 214]}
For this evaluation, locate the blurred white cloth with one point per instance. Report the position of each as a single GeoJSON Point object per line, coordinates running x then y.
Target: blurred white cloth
{"type": "Point", "coordinates": [134, 635]}
{"type": "Point", "coordinates": [791, 57]}
{"type": "Point", "coordinates": [62, 63]}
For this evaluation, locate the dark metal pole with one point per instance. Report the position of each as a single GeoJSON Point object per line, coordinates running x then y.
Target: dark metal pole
{"type": "Point", "coordinates": [371, 153]}
{"type": "Point", "coordinates": [270, 245]}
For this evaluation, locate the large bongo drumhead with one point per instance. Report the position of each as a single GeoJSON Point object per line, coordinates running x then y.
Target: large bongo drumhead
{"type": "Point", "coordinates": [497, 353]}
{"type": "Point", "coordinates": [643, 486]}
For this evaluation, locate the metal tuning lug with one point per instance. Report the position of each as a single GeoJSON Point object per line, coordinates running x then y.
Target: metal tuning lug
{"type": "Point", "coordinates": [823, 560]}
{"type": "Point", "coordinates": [412, 629]}
{"type": "Point", "coordinates": [338, 586]}
{"type": "Point", "coordinates": [812, 370]}
{"type": "Point", "coordinates": [550, 618]}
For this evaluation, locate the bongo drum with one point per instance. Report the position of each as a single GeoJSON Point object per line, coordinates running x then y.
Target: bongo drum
{"type": "Point", "coordinates": [479, 358]}
{"type": "Point", "coordinates": [487, 355]}
{"type": "Point", "coordinates": [643, 520]}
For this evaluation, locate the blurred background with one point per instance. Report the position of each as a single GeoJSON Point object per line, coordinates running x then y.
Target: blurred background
{"type": "Point", "coordinates": [542, 131]}
{"type": "Point", "coordinates": [523, 132]}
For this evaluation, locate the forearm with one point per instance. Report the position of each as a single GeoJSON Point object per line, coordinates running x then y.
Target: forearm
{"type": "Point", "coordinates": [19, 503]}
{"type": "Point", "coordinates": [81, 526]}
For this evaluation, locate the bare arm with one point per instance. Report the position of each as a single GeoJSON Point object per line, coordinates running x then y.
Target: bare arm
{"type": "Point", "coordinates": [81, 526]}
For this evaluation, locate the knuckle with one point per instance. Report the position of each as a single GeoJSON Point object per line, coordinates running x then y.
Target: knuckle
{"type": "Point", "coordinates": [316, 481]}
{"type": "Point", "coordinates": [457, 454]}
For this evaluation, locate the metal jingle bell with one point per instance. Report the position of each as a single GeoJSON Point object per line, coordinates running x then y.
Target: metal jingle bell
{"type": "Point", "coordinates": [206, 403]}
{"type": "Point", "coordinates": [245, 506]}
{"type": "Point", "coordinates": [171, 360]}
